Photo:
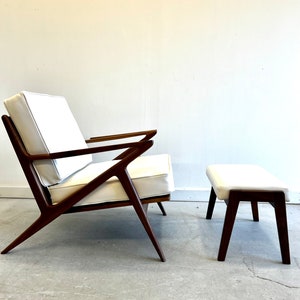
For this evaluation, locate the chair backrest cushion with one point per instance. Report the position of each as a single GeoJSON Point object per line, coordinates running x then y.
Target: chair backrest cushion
{"type": "Point", "coordinates": [46, 124]}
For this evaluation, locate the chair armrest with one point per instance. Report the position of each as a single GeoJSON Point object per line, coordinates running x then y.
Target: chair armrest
{"type": "Point", "coordinates": [132, 150]}
{"type": "Point", "coordinates": [148, 135]}
{"type": "Point", "coordinates": [92, 150]}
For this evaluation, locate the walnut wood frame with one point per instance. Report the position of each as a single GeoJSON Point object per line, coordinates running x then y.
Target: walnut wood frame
{"type": "Point", "coordinates": [49, 212]}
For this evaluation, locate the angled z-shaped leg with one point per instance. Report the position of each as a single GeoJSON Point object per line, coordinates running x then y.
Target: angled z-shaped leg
{"type": "Point", "coordinates": [41, 222]}
{"type": "Point", "coordinates": [136, 202]}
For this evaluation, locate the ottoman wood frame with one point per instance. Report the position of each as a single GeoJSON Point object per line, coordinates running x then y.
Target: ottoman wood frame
{"type": "Point", "coordinates": [275, 198]}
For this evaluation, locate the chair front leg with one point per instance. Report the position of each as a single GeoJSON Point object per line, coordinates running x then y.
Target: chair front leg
{"type": "Point", "coordinates": [136, 202]}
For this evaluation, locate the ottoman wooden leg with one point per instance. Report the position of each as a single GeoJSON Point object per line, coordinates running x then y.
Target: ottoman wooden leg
{"type": "Point", "coordinates": [232, 207]}
{"type": "Point", "coordinates": [282, 228]}
{"type": "Point", "coordinates": [254, 207]}
{"type": "Point", "coordinates": [211, 204]}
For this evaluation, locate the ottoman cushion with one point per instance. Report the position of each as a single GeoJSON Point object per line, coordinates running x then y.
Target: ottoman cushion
{"type": "Point", "coordinates": [226, 177]}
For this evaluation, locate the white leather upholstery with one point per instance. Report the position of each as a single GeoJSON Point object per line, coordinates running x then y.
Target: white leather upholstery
{"type": "Point", "coordinates": [46, 124]}
{"type": "Point", "coordinates": [226, 177]}
{"type": "Point", "coordinates": [151, 175]}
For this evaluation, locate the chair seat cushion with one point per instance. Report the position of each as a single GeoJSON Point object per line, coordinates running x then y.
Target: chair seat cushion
{"type": "Point", "coordinates": [151, 175]}
{"type": "Point", "coordinates": [226, 177]}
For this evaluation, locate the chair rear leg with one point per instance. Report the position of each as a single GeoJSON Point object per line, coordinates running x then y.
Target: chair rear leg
{"type": "Point", "coordinates": [211, 204]}
{"type": "Point", "coordinates": [41, 222]}
{"type": "Point", "coordinates": [136, 202]}
{"type": "Point", "coordinates": [162, 208]}
{"type": "Point", "coordinates": [231, 211]}
{"type": "Point", "coordinates": [146, 206]}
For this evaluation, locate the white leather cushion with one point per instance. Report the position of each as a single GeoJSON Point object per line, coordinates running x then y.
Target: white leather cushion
{"type": "Point", "coordinates": [228, 177]}
{"type": "Point", "coordinates": [152, 176]}
{"type": "Point", "coordinates": [46, 124]}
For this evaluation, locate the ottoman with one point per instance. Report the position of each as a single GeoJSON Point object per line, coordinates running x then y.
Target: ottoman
{"type": "Point", "coordinates": [235, 183]}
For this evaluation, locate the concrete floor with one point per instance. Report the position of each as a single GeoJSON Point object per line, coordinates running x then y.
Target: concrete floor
{"type": "Point", "coordinates": [107, 255]}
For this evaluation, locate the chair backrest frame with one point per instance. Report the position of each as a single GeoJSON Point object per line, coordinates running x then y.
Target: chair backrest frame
{"type": "Point", "coordinates": [39, 191]}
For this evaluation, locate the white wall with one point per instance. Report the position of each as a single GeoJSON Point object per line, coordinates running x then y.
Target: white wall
{"type": "Point", "coordinates": [218, 79]}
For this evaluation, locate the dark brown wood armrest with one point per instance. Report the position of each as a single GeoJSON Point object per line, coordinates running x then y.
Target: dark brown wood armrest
{"type": "Point", "coordinates": [148, 135]}
{"type": "Point", "coordinates": [93, 150]}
